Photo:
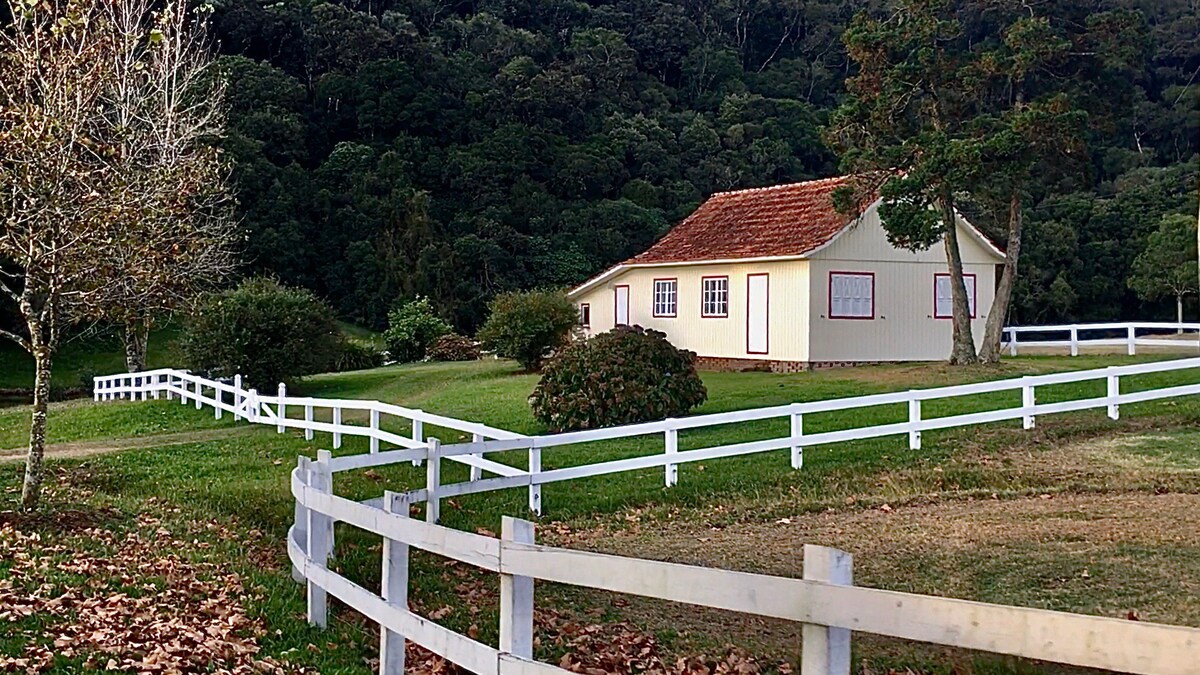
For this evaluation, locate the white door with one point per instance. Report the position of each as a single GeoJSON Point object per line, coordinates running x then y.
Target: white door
{"type": "Point", "coordinates": [757, 313]}
{"type": "Point", "coordinates": [622, 294]}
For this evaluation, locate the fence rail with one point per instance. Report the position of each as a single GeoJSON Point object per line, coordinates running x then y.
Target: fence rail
{"type": "Point", "coordinates": [824, 601]}
{"type": "Point", "coordinates": [1129, 335]}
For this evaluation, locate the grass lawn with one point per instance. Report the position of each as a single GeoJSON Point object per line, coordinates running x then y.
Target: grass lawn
{"type": "Point", "coordinates": [1081, 514]}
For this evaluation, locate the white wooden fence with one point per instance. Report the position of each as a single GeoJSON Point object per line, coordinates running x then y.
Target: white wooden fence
{"type": "Point", "coordinates": [825, 601]}
{"type": "Point", "coordinates": [1127, 335]}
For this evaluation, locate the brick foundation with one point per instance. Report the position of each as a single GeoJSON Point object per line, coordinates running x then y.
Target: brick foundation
{"type": "Point", "coordinates": [723, 364]}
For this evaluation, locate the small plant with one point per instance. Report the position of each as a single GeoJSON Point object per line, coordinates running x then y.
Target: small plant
{"type": "Point", "coordinates": [624, 376]}
{"type": "Point", "coordinates": [453, 347]}
{"type": "Point", "coordinates": [357, 356]}
{"type": "Point", "coordinates": [412, 327]}
{"type": "Point", "coordinates": [527, 326]}
{"type": "Point", "coordinates": [265, 331]}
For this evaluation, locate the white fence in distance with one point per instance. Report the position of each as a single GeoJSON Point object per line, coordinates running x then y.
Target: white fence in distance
{"type": "Point", "coordinates": [1128, 335]}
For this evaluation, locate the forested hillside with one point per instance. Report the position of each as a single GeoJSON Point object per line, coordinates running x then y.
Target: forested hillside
{"type": "Point", "coordinates": [388, 148]}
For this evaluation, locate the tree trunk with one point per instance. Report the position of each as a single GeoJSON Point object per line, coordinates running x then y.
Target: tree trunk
{"type": "Point", "coordinates": [137, 337]}
{"type": "Point", "coordinates": [963, 350]}
{"type": "Point", "coordinates": [989, 351]}
{"type": "Point", "coordinates": [1179, 313]}
{"type": "Point", "coordinates": [43, 357]}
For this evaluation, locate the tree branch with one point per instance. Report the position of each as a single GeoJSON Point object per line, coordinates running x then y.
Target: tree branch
{"type": "Point", "coordinates": [17, 339]}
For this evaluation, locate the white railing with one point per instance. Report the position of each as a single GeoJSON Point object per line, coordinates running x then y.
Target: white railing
{"type": "Point", "coordinates": [824, 600]}
{"type": "Point", "coordinates": [1127, 335]}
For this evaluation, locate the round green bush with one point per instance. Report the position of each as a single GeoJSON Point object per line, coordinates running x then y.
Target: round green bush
{"type": "Point", "coordinates": [412, 327]}
{"type": "Point", "coordinates": [453, 347]}
{"type": "Point", "coordinates": [528, 326]}
{"type": "Point", "coordinates": [624, 376]}
{"type": "Point", "coordinates": [266, 331]}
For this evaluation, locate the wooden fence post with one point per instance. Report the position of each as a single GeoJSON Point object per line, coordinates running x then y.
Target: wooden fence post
{"type": "Point", "coordinates": [797, 432]}
{"type": "Point", "coordinates": [1074, 341]}
{"type": "Point", "coordinates": [1114, 392]}
{"type": "Point", "coordinates": [337, 423]}
{"type": "Point", "coordinates": [394, 588]}
{"type": "Point", "coordinates": [535, 489]}
{"type": "Point", "coordinates": [516, 595]}
{"type": "Point", "coordinates": [433, 482]}
{"type": "Point", "coordinates": [418, 434]}
{"type": "Point", "coordinates": [238, 397]}
{"type": "Point", "coordinates": [252, 405]}
{"type": "Point", "coordinates": [280, 408]}
{"type": "Point", "coordinates": [142, 385]}
{"type": "Point", "coordinates": [825, 650]}
{"type": "Point", "coordinates": [375, 432]}
{"type": "Point", "coordinates": [155, 381]}
{"type": "Point", "coordinates": [1131, 339]}
{"type": "Point", "coordinates": [1012, 343]}
{"type": "Point", "coordinates": [320, 539]}
{"type": "Point", "coordinates": [183, 391]}
{"type": "Point", "coordinates": [1028, 401]}
{"type": "Point", "coordinates": [199, 393]}
{"type": "Point", "coordinates": [914, 417]}
{"type": "Point", "coordinates": [671, 446]}
{"type": "Point", "coordinates": [217, 399]}
{"type": "Point", "coordinates": [300, 526]}
{"type": "Point", "coordinates": [308, 417]}
{"type": "Point", "coordinates": [476, 472]}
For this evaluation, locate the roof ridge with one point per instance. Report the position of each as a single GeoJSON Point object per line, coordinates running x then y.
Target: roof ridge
{"type": "Point", "coordinates": [781, 186]}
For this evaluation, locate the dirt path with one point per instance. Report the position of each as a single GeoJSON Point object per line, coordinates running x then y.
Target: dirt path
{"type": "Point", "coordinates": [78, 449]}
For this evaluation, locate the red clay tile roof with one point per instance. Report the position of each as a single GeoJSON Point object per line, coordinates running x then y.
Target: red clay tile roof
{"type": "Point", "coordinates": [784, 220]}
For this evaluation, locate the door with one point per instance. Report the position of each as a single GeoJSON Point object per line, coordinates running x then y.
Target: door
{"type": "Point", "coordinates": [758, 312]}
{"type": "Point", "coordinates": [622, 299]}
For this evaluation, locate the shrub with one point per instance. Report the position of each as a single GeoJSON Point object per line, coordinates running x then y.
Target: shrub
{"type": "Point", "coordinates": [357, 356]}
{"type": "Point", "coordinates": [527, 326]}
{"type": "Point", "coordinates": [453, 347]}
{"type": "Point", "coordinates": [412, 327]}
{"type": "Point", "coordinates": [266, 331]}
{"type": "Point", "coordinates": [626, 375]}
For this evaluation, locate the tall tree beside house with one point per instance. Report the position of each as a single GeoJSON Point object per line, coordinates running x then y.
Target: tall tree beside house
{"type": "Point", "coordinates": [73, 207]}
{"type": "Point", "coordinates": [904, 130]}
{"type": "Point", "coordinates": [1167, 266]}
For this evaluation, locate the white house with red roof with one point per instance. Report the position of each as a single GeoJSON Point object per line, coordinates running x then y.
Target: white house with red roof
{"type": "Point", "coordinates": [776, 277]}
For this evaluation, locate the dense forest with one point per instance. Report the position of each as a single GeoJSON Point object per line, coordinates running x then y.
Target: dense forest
{"type": "Point", "coordinates": [384, 149]}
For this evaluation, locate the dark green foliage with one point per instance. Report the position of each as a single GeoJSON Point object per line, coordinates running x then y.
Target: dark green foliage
{"type": "Point", "coordinates": [624, 376]}
{"type": "Point", "coordinates": [412, 327]}
{"type": "Point", "coordinates": [267, 332]}
{"type": "Point", "coordinates": [453, 347]}
{"type": "Point", "coordinates": [357, 356]}
{"type": "Point", "coordinates": [527, 326]}
{"type": "Point", "coordinates": [1167, 267]}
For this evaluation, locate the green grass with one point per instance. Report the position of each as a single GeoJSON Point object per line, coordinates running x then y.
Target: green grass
{"type": "Point", "coordinates": [243, 480]}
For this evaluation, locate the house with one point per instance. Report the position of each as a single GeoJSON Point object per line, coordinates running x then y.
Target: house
{"type": "Point", "coordinates": [776, 277]}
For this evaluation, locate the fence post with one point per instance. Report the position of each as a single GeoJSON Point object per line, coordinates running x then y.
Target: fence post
{"type": "Point", "coordinates": [237, 397]}
{"type": "Point", "coordinates": [476, 472]}
{"type": "Point", "coordinates": [1074, 341]}
{"type": "Point", "coordinates": [535, 488]}
{"type": "Point", "coordinates": [95, 389]}
{"type": "Point", "coordinates": [183, 391]}
{"type": "Point", "coordinates": [300, 526]}
{"type": "Point", "coordinates": [516, 595]}
{"type": "Point", "coordinates": [1131, 339]}
{"type": "Point", "coordinates": [1028, 401]}
{"type": "Point", "coordinates": [1114, 393]}
{"type": "Point", "coordinates": [418, 434]}
{"type": "Point", "coordinates": [1012, 343]}
{"type": "Point", "coordinates": [217, 398]}
{"type": "Point", "coordinates": [671, 443]}
{"type": "Point", "coordinates": [166, 385]}
{"type": "Point", "coordinates": [394, 588]}
{"type": "Point", "coordinates": [308, 417]}
{"type": "Point", "coordinates": [155, 382]}
{"type": "Point", "coordinates": [280, 408]}
{"type": "Point", "coordinates": [337, 423]}
{"type": "Point", "coordinates": [143, 388]}
{"type": "Point", "coordinates": [374, 431]}
{"type": "Point", "coordinates": [252, 405]}
{"type": "Point", "coordinates": [320, 539]}
{"type": "Point", "coordinates": [825, 650]}
{"type": "Point", "coordinates": [797, 432]}
{"type": "Point", "coordinates": [914, 417]}
{"type": "Point", "coordinates": [199, 393]}
{"type": "Point", "coordinates": [433, 482]}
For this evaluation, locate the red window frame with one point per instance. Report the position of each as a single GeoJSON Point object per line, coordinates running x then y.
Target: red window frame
{"type": "Point", "coordinates": [974, 295]}
{"type": "Point", "coordinates": [654, 298]}
{"type": "Point", "coordinates": [829, 296]}
{"type": "Point", "coordinates": [728, 294]}
{"type": "Point", "coordinates": [585, 314]}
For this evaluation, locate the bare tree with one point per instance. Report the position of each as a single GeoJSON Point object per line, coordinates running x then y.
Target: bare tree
{"type": "Point", "coordinates": [77, 204]}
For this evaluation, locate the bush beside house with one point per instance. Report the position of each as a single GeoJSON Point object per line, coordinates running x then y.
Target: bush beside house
{"type": "Point", "coordinates": [528, 326]}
